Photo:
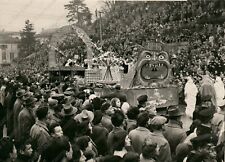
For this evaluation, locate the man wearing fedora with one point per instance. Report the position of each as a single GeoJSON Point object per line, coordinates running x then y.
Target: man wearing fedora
{"type": "Point", "coordinates": [16, 110]}
{"type": "Point", "coordinates": [26, 118]}
{"type": "Point", "coordinates": [85, 115]}
{"type": "Point", "coordinates": [68, 123]}
{"type": "Point", "coordinates": [173, 130]}
{"type": "Point", "coordinates": [68, 108]}
{"type": "Point", "coordinates": [83, 121]}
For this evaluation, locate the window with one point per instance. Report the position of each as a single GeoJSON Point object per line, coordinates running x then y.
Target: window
{"type": "Point", "coordinates": [3, 46]}
{"type": "Point", "coordinates": [3, 55]}
{"type": "Point", "coordinates": [11, 56]}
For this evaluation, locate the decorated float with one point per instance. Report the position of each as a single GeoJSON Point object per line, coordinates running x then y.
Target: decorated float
{"type": "Point", "coordinates": [57, 70]}
{"type": "Point", "coordinates": [152, 76]}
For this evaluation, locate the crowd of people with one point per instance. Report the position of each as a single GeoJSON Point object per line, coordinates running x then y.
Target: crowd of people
{"type": "Point", "coordinates": [65, 121]}
{"type": "Point", "coordinates": [198, 23]}
{"type": "Point", "coordinates": [34, 64]}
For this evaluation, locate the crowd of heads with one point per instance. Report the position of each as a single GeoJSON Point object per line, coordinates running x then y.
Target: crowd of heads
{"type": "Point", "coordinates": [198, 23]}
{"type": "Point", "coordinates": [64, 121]}
{"type": "Point", "coordinates": [68, 122]}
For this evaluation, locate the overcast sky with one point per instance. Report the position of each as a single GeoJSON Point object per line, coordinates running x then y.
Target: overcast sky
{"type": "Point", "coordinates": [42, 13]}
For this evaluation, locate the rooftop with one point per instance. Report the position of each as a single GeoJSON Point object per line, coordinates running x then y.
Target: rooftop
{"type": "Point", "coordinates": [8, 40]}
{"type": "Point", "coordinates": [9, 37]}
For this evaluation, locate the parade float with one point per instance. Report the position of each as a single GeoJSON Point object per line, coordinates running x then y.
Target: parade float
{"type": "Point", "coordinates": [108, 61]}
{"type": "Point", "coordinates": [150, 75]}
{"type": "Point", "coordinates": [56, 69]}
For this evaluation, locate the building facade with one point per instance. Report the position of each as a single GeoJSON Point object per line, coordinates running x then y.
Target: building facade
{"type": "Point", "coordinates": [8, 48]}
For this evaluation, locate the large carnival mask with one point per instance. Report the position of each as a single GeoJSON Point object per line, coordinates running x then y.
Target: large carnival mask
{"type": "Point", "coordinates": [152, 67]}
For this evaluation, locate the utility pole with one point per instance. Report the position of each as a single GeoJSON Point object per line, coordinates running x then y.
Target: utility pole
{"type": "Point", "coordinates": [100, 26]}
{"type": "Point", "coordinates": [98, 15]}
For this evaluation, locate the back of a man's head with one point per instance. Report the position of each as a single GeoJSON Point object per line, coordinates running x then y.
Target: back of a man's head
{"type": "Point", "coordinates": [117, 118]}
{"type": "Point", "coordinates": [131, 157]}
{"type": "Point", "coordinates": [105, 106]}
{"type": "Point", "coordinates": [142, 119]}
{"type": "Point", "coordinates": [56, 151]}
{"type": "Point", "coordinates": [132, 113]}
{"type": "Point", "coordinates": [42, 112]}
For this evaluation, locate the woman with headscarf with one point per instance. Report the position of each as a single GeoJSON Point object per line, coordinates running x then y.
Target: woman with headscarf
{"type": "Point", "coordinates": [190, 92]}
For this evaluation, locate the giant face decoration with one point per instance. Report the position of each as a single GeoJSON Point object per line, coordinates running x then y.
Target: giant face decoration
{"type": "Point", "coordinates": [152, 67]}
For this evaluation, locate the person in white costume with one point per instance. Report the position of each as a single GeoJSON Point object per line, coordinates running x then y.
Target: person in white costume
{"type": "Point", "coordinates": [190, 92]}
{"type": "Point", "coordinates": [220, 92]}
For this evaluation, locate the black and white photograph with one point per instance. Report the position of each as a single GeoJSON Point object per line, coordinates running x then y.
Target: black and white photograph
{"type": "Point", "coordinates": [112, 80]}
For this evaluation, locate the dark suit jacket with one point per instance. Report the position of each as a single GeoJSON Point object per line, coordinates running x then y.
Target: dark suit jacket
{"type": "Point", "coordinates": [16, 110]}
{"type": "Point", "coordinates": [111, 141]}
{"type": "Point", "coordinates": [26, 120]}
{"type": "Point", "coordinates": [175, 134]}
{"type": "Point", "coordinates": [99, 136]}
{"type": "Point", "coordinates": [9, 103]}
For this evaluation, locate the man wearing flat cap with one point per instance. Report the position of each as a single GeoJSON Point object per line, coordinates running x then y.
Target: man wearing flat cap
{"type": "Point", "coordinates": [173, 130]}
{"type": "Point", "coordinates": [157, 136]}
